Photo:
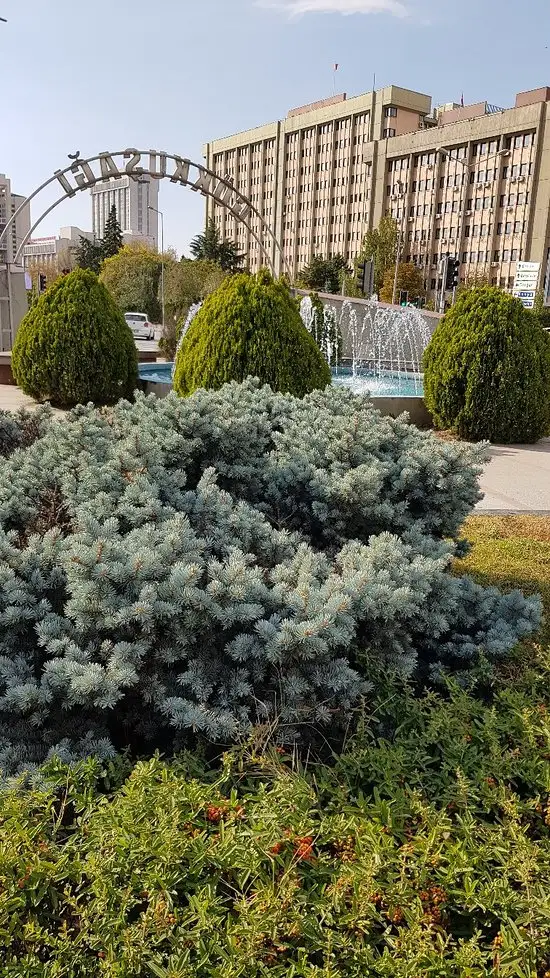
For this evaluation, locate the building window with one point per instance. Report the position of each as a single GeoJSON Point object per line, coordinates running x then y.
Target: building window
{"type": "Point", "coordinates": [390, 112]}
{"type": "Point", "coordinates": [388, 133]}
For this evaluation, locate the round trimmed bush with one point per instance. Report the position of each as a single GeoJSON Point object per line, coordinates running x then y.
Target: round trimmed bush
{"type": "Point", "coordinates": [74, 346]}
{"type": "Point", "coordinates": [487, 370]}
{"type": "Point", "coordinates": [250, 326]}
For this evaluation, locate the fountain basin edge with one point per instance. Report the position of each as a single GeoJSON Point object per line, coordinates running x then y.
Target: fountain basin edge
{"type": "Point", "coordinates": [153, 381]}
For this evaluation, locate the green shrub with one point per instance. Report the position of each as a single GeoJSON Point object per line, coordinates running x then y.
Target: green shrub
{"type": "Point", "coordinates": [191, 566]}
{"type": "Point", "coordinates": [74, 346]}
{"type": "Point", "coordinates": [250, 326]}
{"type": "Point", "coordinates": [487, 370]}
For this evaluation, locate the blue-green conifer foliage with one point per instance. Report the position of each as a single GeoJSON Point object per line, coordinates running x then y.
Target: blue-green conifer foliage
{"type": "Point", "coordinates": [487, 370]}
{"type": "Point", "coordinates": [193, 566]}
{"type": "Point", "coordinates": [74, 346]}
{"type": "Point", "coordinates": [250, 327]}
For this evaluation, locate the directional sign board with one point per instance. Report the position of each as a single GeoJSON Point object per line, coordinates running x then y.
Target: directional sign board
{"type": "Point", "coordinates": [526, 282]}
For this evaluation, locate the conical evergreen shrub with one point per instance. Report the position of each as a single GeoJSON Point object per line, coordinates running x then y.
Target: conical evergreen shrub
{"type": "Point", "coordinates": [250, 327]}
{"type": "Point", "coordinates": [487, 370]}
{"type": "Point", "coordinates": [74, 346]}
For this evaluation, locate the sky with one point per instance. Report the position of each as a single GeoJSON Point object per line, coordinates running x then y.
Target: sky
{"type": "Point", "coordinates": [173, 74]}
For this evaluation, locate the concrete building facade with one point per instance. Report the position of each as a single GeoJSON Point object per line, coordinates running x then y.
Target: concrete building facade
{"type": "Point", "coordinates": [132, 200]}
{"type": "Point", "coordinates": [469, 181]}
{"type": "Point", "coordinates": [55, 252]}
{"type": "Point", "coordinates": [13, 295]}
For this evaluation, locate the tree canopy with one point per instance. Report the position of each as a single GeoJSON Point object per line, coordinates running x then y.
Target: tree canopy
{"type": "Point", "coordinates": [409, 279]}
{"type": "Point", "coordinates": [210, 246]}
{"type": "Point", "coordinates": [89, 255]}
{"type": "Point", "coordinates": [132, 277]}
{"type": "Point", "coordinates": [112, 238]}
{"type": "Point", "coordinates": [381, 244]}
{"type": "Point", "coordinates": [324, 274]}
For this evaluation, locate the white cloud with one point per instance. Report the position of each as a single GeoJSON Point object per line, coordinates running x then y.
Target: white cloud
{"type": "Point", "coordinates": [297, 8]}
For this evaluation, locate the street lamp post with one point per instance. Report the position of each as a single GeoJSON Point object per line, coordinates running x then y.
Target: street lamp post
{"type": "Point", "coordinates": [161, 215]}
{"type": "Point", "coordinates": [400, 195]}
{"type": "Point", "coordinates": [467, 166]}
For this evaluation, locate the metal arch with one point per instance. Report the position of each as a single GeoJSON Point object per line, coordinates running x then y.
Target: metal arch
{"type": "Point", "coordinates": [74, 167]}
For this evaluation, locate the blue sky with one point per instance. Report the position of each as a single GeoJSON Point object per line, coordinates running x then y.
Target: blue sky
{"type": "Point", "coordinates": [172, 74]}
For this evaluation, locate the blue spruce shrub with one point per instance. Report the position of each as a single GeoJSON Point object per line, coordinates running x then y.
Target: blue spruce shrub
{"type": "Point", "coordinates": [174, 567]}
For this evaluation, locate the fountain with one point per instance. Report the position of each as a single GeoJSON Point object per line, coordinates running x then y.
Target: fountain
{"type": "Point", "coordinates": [193, 310]}
{"type": "Point", "coordinates": [382, 348]}
{"type": "Point", "coordinates": [370, 348]}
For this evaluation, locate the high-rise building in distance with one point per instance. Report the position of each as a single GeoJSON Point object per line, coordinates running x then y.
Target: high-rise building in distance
{"type": "Point", "coordinates": [471, 181]}
{"type": "Point", "coordinates": [13, 295]}
{"type": "Point", "coordinates": [133, 200]}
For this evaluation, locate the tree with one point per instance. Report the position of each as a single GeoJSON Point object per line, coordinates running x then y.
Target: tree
{"type": "Point", "coordinates": [186, 283]}
{"type": "Point", "coordinates": [89, 255]}
{"type": "Point", "coordinates": [209, 246]}
{"type": "Point", "coordinates": [74, 345]}
{"type": "Point", "coordinates": [133, 276]}
{"type": "Point", "coordinates": [381, 244]}
{"type": "Point", "coordinates": [472, 280]}
{"type": "Point", "coordinates": [112, 238]}
{"type": "Point", "coordinates": [251, 326]}
{"type": "Point", "coordinates": [324, 274]}
{"type": "Point", "coordinates": [487, 370]}
{"type": "Point", "coordinates": [409, 279]}
{"type": "Point", "coordinates": [540, 311]}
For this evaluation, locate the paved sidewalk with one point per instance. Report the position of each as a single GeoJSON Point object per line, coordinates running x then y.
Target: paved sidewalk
{"type": "Point", "coordinates": [517, 479]}
{"type": "Point", "coordinates": [11, 398]}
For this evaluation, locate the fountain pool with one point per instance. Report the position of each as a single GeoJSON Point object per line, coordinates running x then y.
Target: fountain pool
{"type": "Point", "coordinates": [158, 378]}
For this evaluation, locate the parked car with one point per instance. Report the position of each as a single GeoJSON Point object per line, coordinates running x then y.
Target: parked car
{"type": "Point", "coordinates": [140, 325]}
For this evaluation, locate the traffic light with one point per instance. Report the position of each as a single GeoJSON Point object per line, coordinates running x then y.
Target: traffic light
{"type": "Point", "coordinates": [403, 297]}
{"type": "Point", "coordinates": [452, 277]}
{"type": "Point", "coordinates": [364, 278]}
{"type": "Point", "coordinates": [41, 282]}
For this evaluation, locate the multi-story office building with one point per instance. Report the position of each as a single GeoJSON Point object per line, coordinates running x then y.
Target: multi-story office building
{"type": "Point", "coordinates": [472, 181]}
{"type": "Point", "coordinates": [55, 252]}
{"type": "Point", "coordinates": [133, 200]}
{"type": "Point", "coordinates": [13, 296]}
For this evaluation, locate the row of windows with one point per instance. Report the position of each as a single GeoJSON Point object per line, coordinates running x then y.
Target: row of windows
{"type": "Point", "coordinates": [517, 142]}
{"type": "Point", "coordinates": [518, 170]}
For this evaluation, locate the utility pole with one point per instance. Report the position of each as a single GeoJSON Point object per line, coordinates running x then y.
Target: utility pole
{"type": "Point", "coordinates": [400, 195]}
{"type": "Point", "coordinates": [443, 266]}
{"type": "Point", "coordinates": [161, 215]}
